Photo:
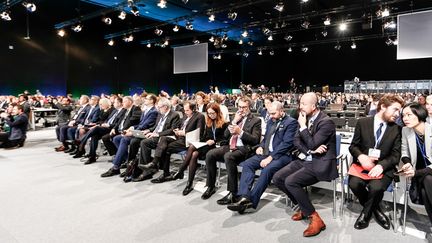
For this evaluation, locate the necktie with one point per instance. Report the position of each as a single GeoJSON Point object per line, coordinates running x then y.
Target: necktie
{"type": "Point", "coordinates": [159, 125]}
{"type": "Point", "coordinates": [378, 133]}
{"type": "Point", "coordinates": [310, 125]}
{"type": "Point", "coordinates": [123, 121]}
{"type": "Point", "coordinates": [268, 138]}
{"type": "Point", "coordinates": [185, 124]}
{"type": "Point", "coordinates": [88, 116]}
{"type": "Point", "coordinates": [234, 138]}
{"type": "Point", "coordinates": [110, 121]}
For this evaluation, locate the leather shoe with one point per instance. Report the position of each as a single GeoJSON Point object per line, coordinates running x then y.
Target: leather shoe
{"type": "Point", "coordinates": [150, 165]}
{"type": "Point", "coordinates": [127, 179]}
{"type": "Point", "coordinates": [228, 199]}
{"type": "Point", "coordinates": [188, 188]}
{"type": "Point", "coordinates": [90, 160]}
{"type": "Point", "coordinates": [298, 216]}
{"type": "Point", "coordinates": [178, 175]}
{"type": "Point", "coordinates": [68, 150]}
{"type": "Point", "coordinates": [208, 193]}
{"type": "Point", "coordinates": [382, 219]}
{"type": "Point", "coordinates": [60, 148]}
{"type": "Point", "coordinates": [362, 221]}
{"type": "Point", "coordinates": [240, 206]}
{"type": "Point", "coordinates": [144, 176]}
{"type": "Point", "coordinates": [316, 225]}
{"type": "Point", "coordinates": [73, 152]}
{"type": "Point", "coordinates": [111, 172]}
{"type": "Point", "coordinates": [162, 178]}
{"type": "Point", "coordinates": [79, 154]}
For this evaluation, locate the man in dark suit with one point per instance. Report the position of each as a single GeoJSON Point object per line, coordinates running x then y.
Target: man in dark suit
{"type": "Point", "coordinates": [78, 118]}
{"type": "Point", "coordinates": [376, 150]}
{"type": "Point", "coordinates": [243, 135]}
{"type": "Point", "coordinates": [18, 128]}
{"type": "Point", "coordinates": [131, 118]}
{"type": "Point", "coordinates": [316, 144]}
{"type": "Point", "coordinates": [166, 122]}
{"type": "Point", "coordinates": [167, 145]}
{"type": "Point", "coordinates": [256, 103]}
{"type": "Point", "coordinates": [63, 115]}
{"type": "Point", "coordinates": [273, 153]}
{"type": "Point", "coordinates": [97, 132]}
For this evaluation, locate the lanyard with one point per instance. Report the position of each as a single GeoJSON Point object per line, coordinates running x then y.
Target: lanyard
{"type": "Point", "coordinates": [214, 132]}
{"type": "Point", "coordinates": [422, 148]}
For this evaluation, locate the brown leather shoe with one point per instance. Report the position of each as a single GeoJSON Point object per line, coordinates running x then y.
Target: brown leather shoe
{"type": "Point", "coordinates": [298, 216]}
{"type": "Point", "coordinates": [316, 225]}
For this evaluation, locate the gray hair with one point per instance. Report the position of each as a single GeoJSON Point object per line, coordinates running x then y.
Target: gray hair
{"type": "Point", "coordinates": [278, 105]}
{"type": "Point", "coordinates": [128, 98]}
{"type": "Point", "coordinates": [164, 101]}
{"type": "Point", "coordinates": [105, 101]}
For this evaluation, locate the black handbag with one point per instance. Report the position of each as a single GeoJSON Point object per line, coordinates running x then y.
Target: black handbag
{"type": "Point", "coordinates": [415, 192]}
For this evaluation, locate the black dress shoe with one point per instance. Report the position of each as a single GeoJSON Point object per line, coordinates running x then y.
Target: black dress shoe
{"type": "Point", "coordinates": [208, 193]}
{"type": "Point", "coordinates": [127, 179]}
{"type": "Point", "coordinates": [123, 174]}
{"type": "Point", "coordinates": [111, 172]}
{"type": "Point", "coordinates": [178, 175]}
{"type": "Point", "coordinates": [150, 165]}
{"type": "Point", "coordinates": [382, 219]}
{"type": "Point", "coordinates": [240, 206]}
{"type": "Point", "coordinates": [188, 188]}
{"type": "Point", "coordinates": [123, 165]}
{"type": "Point", "coordinates": [89, 160]}
{"type": "Point", "coordinates": [73, 152]}
{"type": "Point", "coordinates": [69, 149]}
{"type": "Point", "coordinates": [228, 199]}
{"type": "Point", "coordinates": [362, 221]}
{"type": "Point", "coordinates": [79, 154]}
{"type": "Point", "coordinates": [162, 178]}
{"type": "Point", "coordinates": [147, 174]}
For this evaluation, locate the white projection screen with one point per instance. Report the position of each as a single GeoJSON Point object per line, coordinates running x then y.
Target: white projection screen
{"type": "Point", "coordinates": [414, 35]}
{"type": "Point", "coordinates": [191, 59]}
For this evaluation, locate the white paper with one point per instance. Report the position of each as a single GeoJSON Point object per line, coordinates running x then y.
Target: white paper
{"type": "Point", "coordinates": [192, 136]}
{"type": "Point", "coordinates": [198, 144]}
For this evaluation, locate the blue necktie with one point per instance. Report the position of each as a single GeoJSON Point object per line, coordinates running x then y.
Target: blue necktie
{"type": "Point", "coordinates": [379, 131]}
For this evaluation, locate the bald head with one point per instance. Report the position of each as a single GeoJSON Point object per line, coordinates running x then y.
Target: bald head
{"type": "Point", "coordinates": [308, 103]}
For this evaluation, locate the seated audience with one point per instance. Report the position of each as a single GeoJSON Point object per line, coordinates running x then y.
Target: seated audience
{"type": "Point", "coordinates": [17, 123]}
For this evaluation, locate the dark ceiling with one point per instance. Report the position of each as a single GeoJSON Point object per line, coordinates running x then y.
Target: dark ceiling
{"type": "Point", "coordinates": [253, 16]}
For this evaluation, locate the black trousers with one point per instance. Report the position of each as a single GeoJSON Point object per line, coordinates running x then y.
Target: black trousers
{"type": "Point", "coordinates": [369, 192]}
{"type": "Point", "coordinates": [95, 134]}
{"type": "Point", "coordinates": [134, 147]}
{"type": "Point", "coordinates": [146, 146]}
{"type": "Point", "coordinates": [427, 195]}
{"type": "Point", "coordinates": [292, 179]}
{"type": "Point", "coordinates": [231, 159]}
{"type": "Point", "coordinates": [109, 145]}
{"type": "Point", "coordinates": [168, 146]}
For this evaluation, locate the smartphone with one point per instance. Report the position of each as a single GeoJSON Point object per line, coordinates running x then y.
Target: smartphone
{"type": "Point", "coordinates": [398, 172]}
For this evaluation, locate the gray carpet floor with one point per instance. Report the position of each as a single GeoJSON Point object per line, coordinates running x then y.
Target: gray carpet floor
{"type": "Point", "coordinates": [49, 197]}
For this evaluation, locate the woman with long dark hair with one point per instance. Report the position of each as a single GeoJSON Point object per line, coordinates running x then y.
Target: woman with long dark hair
{"type": "Point", "coordinates": [212, 136]}
{"type": "Point", "coordinates": [417, 154]}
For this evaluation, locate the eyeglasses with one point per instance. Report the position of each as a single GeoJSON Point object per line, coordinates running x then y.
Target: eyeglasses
{"type": "Point", "coordinates": [211, 113]}
{"type": "Point", "coordinates": [243, 107]}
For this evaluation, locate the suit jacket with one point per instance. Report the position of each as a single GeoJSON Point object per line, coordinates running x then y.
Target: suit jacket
{"type": "Point", "coordinates": [170, 124]}
{"type": "Point", "coordinates": [257, 106]}
{"type": "Point", "coordinates": [251, 132]}
{"type": "Point", "coordinates": [390, 145]}
{"type": "Point", "coordinates": [147, 119]}
{"type": "Point", "coordinates": [105, 115]}
{"type": "Point", "coordinates": [196, 121]}
{"type": "Point", "coordinates": [322, 132]}
{"type": "Point", "coordinates": [132, 119]}
{"type": "Point", "coordinates": [409, 143]}
{"type": "Point", "coordinates": [63, 113]}
{"type": "Point", "coordinates": [219, 134]}
{"type": "Point", "coordinates": [283, 140]}
{"type": "Point", "coordinates": [82, 114]}
{"type": "Point", "coordinates": [93, 117]}
{"type": "Point", "coordinates": [118, 118]}
{"type": "Point", "coordinates": [18, 127]}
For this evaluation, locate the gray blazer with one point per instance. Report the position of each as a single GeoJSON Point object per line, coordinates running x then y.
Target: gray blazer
{"type": "Point", "coordinates": [409, 144]}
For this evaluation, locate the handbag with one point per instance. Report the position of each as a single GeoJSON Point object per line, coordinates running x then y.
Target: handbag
{"type": "Point", "coordinates": [415, 192]}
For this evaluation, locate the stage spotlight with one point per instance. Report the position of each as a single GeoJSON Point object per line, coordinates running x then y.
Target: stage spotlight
{"type": "Point", "coordinates": [385, 13]}
{"type": "Point", "coordinates": [270, 38]}
{"type": "Point", "coordinates": [245, 34]}
{"type": "Point", "coordinates": [31, 7]}
{"type": "Point", "coordinates": [189, 26]}
{"type": "Point", "coordinates": [271, 53]}
{"type": "Point", "coordinates": [279, 7]}
{"type": "Point", "coordinates": [107, 20]}
{"type": "Point", "coordinates": [212, 39]}
{"type": "Point", "coordinates": [211, 17]}
{"type": "Point", "coordinates": [149, 45]}
{"type": "Point", "coordinates": [176, 28]}
{"type": "Point", "coordinates": [305, 24]}
{"type": "Point", "coordinates": [122, 15]}
{"type": "Point", "coordinates": [232, 15]}
{"type": "Point", "coordinates": [305, 49]}
{"type": "Point", "coordinates": [324, 33]}
{"type": "Point", "coordinates": [343, 26]}
{"type": "Point", "coordinates": [111, 42]}
{"type": "Point", "coordinates": [288, 37]}
{"type": "Point", "coordinates": [260, 52]}
{"type": "Point", "coordinates": [390, 24]}
{"type": "Point", "coordinates": [353, 45]}
{"type": "Point", "coordinates": [129, 38]}
{"type": "Point", "coordinates": [217, 57]}
{"type": "Point", "coordinates": [162, 4]}
{"type": "Point", "coordinates": [240, 42]}
{"type": "Point", "coordinates": [5, 16]}
{"type": "Point", "coordinates": [245, 54]}
{"type": "Point", "coordinates": [61, 32]}
{"type": "Point", "coordinates": [337, 47]}
{"type": "Point", "coordinates": [135, 10]}
{"type": "Point", "coordinates": [158, 32]}
{"type": "Point", "coordinates": [289, 49]}
{"type": "Point", "coordinates": [327, 21]}
{"type": "Point", "coordinates": [305, 1]}
{"type": "Point", "coordinates": [266, 31]}
{"type": "Point", "coordinates": [77, 28]}
{"type": "Point", "coordinates": [196, 41]}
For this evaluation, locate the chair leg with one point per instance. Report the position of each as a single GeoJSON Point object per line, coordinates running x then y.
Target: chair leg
{"type": "Point", "coordinates": [334, 198]}
{"type": "Point", "coordinates": [342, 196]}
{"type": "Point", "coordinates": [218, 174]}
{"type": "Point", "coordinates": [395, 222]}
{"type": "Point", "coordinates": [405, 212]}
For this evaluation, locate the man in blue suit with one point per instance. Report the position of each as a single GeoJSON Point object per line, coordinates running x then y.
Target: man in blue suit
{"type": "Point", "coordinates": [273, 153]}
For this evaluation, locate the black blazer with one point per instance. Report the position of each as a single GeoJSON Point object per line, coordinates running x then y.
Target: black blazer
{"type": "Point", "coordinates": [251, 132]}
{"type": "Point", "coordinates": [219, 134]}
{"type": "Point", "coordinates": [390, 145]}
{"type": "Point", "coordinates": [196, 121]}
{"type": "Point", "coordinates": [171, 123]}
{"type": "Point", "coordinates": [105, 115]}
{"type": "Point", "coordinates": [323, 132]}
{"type": "Point", "coordinates": [132, 118]}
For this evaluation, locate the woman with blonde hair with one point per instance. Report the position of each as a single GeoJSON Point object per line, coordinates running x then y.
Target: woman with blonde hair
{"type": "Point", "coordinates": [201, 101]}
